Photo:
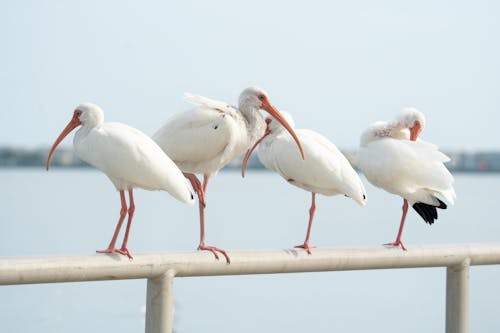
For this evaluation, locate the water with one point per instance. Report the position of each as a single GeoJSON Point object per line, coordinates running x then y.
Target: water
{"type": "Point", "coordinates": [73, 212]}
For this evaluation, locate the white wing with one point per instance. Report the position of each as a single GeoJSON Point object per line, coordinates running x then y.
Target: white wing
{"type": "Point", "coordinates": [211, 103]}
{"type": "Point", "coordinates": [411, 169]}
{"type": "Point", "coordinates": [131, 159]}
{"type": "Point", "coordinates": [325, 169]}
{"type": "Point", "coordinates": [200, 140]}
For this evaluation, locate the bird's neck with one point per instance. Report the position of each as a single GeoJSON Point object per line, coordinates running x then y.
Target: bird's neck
{"type": "Point", "coordinates": [255, 123]}
{"type": "Point", "coordinates": [81, 134]}
{"type": "Point", "coordinates": [382, 130]}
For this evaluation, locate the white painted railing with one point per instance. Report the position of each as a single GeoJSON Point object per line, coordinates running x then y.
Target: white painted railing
{"type": "Point", "coordinates": [161, 269]}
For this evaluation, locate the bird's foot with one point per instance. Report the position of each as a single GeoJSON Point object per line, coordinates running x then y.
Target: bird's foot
{"type": "Point", "coordinates": [125, 252]}
{"type": "Point", "coordinates": [396, 243]}
{"type": "Point", "coordinates": [306, 246]}
{"type": "Point", "coordinates": [122, 251]}
{"type": "Point", "coordinates": [214, 250]}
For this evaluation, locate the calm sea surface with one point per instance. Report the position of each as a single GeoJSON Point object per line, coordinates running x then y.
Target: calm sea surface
{"type": "Point", "coordinates": [73, 212]}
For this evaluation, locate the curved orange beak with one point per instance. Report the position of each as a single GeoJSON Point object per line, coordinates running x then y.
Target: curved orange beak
{"type": "Point", "coordinates": [73, 123]}
{"type": "Point", "coordinates": [415, 131]}
{"type": "Point", "coordinates": [249, 151]}
{"type": "Point", "coordinates": [266, 105]}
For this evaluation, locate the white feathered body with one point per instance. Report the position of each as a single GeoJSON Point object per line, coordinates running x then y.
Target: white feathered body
{"type": "Point", "coordinates": [325, 169]}
{"type": "Point", "coordinates": [130, 159]}
{"type": "Point", "coordinates": [206, 138]}
{"type": "Point", "coordinates": [414, 170]}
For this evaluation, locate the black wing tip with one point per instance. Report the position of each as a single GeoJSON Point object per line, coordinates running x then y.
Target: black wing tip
{"type": "Point", "coordinates": [442, 205]}
{"type": "Point", "coordinates": [428, 212]}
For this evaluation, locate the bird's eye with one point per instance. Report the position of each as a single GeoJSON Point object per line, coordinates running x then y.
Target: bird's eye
{"type": "Point", "coordinates": [78, 113]}
{"type": "Point", "coordinates": [261, 97]}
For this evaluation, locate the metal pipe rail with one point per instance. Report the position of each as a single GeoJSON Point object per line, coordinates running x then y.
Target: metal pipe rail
{"type": "Point", "coordinates": [161, 269]}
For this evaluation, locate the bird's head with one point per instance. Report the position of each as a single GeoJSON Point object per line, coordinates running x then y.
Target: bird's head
{"type": "Point", "coordinates": [86, 114]}
{"type": "Point", "coordinates": [256, 98]}
{"type": "Point", "coordinates": [412, 119]}
{"type": "Point", "coordinates": [89, 114]}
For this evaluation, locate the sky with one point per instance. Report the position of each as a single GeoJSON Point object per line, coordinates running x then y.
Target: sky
{"type": "Point", "coordinates": [336, 66]}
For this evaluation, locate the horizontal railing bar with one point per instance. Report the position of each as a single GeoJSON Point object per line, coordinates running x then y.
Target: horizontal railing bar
{"type": "Point", "coordinates": [116, 267]}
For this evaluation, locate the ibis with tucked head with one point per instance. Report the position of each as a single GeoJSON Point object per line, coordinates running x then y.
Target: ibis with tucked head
{"type": "Point", "coordinates": [394, 158]}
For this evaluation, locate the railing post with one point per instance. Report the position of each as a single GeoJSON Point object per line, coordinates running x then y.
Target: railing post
{"type": "Point", "coordinates": [160, 303]}
{"type": "Point", "coordinates": [457, 297]}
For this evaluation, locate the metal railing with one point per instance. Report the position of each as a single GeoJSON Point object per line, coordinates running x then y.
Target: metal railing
{"type": "Point", "coordinates": [161, 269]}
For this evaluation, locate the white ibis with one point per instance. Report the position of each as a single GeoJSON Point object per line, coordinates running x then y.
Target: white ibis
{"type": "Point", "coordinates": [325, 171]}
{"type": "Point", "coordinates": [206, 138]}
{"type": "Point", "coordinates": [128, 157]}
{"type": "Point", "coordinates": [393, 158]}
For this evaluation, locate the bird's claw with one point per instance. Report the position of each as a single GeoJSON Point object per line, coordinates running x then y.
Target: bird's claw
{"type": "Point", "coordinates": [306, 246]}
{"type": "Point", "coordinates": [108, 250]}
{"type": "Point", "coordinates": [396, 244]}
{"type": "Point", "coordinates": [214, 251]}
{"type": "Point", "coordinates": [122, 251]}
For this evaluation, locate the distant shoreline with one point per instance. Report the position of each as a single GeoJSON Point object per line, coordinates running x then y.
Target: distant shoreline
{"type": "Point", "coordinates": [15, 157]}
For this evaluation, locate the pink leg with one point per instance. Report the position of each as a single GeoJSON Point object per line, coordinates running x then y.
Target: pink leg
{"type": "Point", "coordinates": [398, 241]}
{"type": "Point", "coordinates": [123, 211]}
{"type": "Point", "coordinates": [202, 245]}
{"type": "Point", "coordinates": [414, 132]}
{"type": "Point", "coordinates": [197, 187]}
{"type": "Point", "coordinates": [312, 210]}
{"type": "Point", "coordinates": [131, 209]}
